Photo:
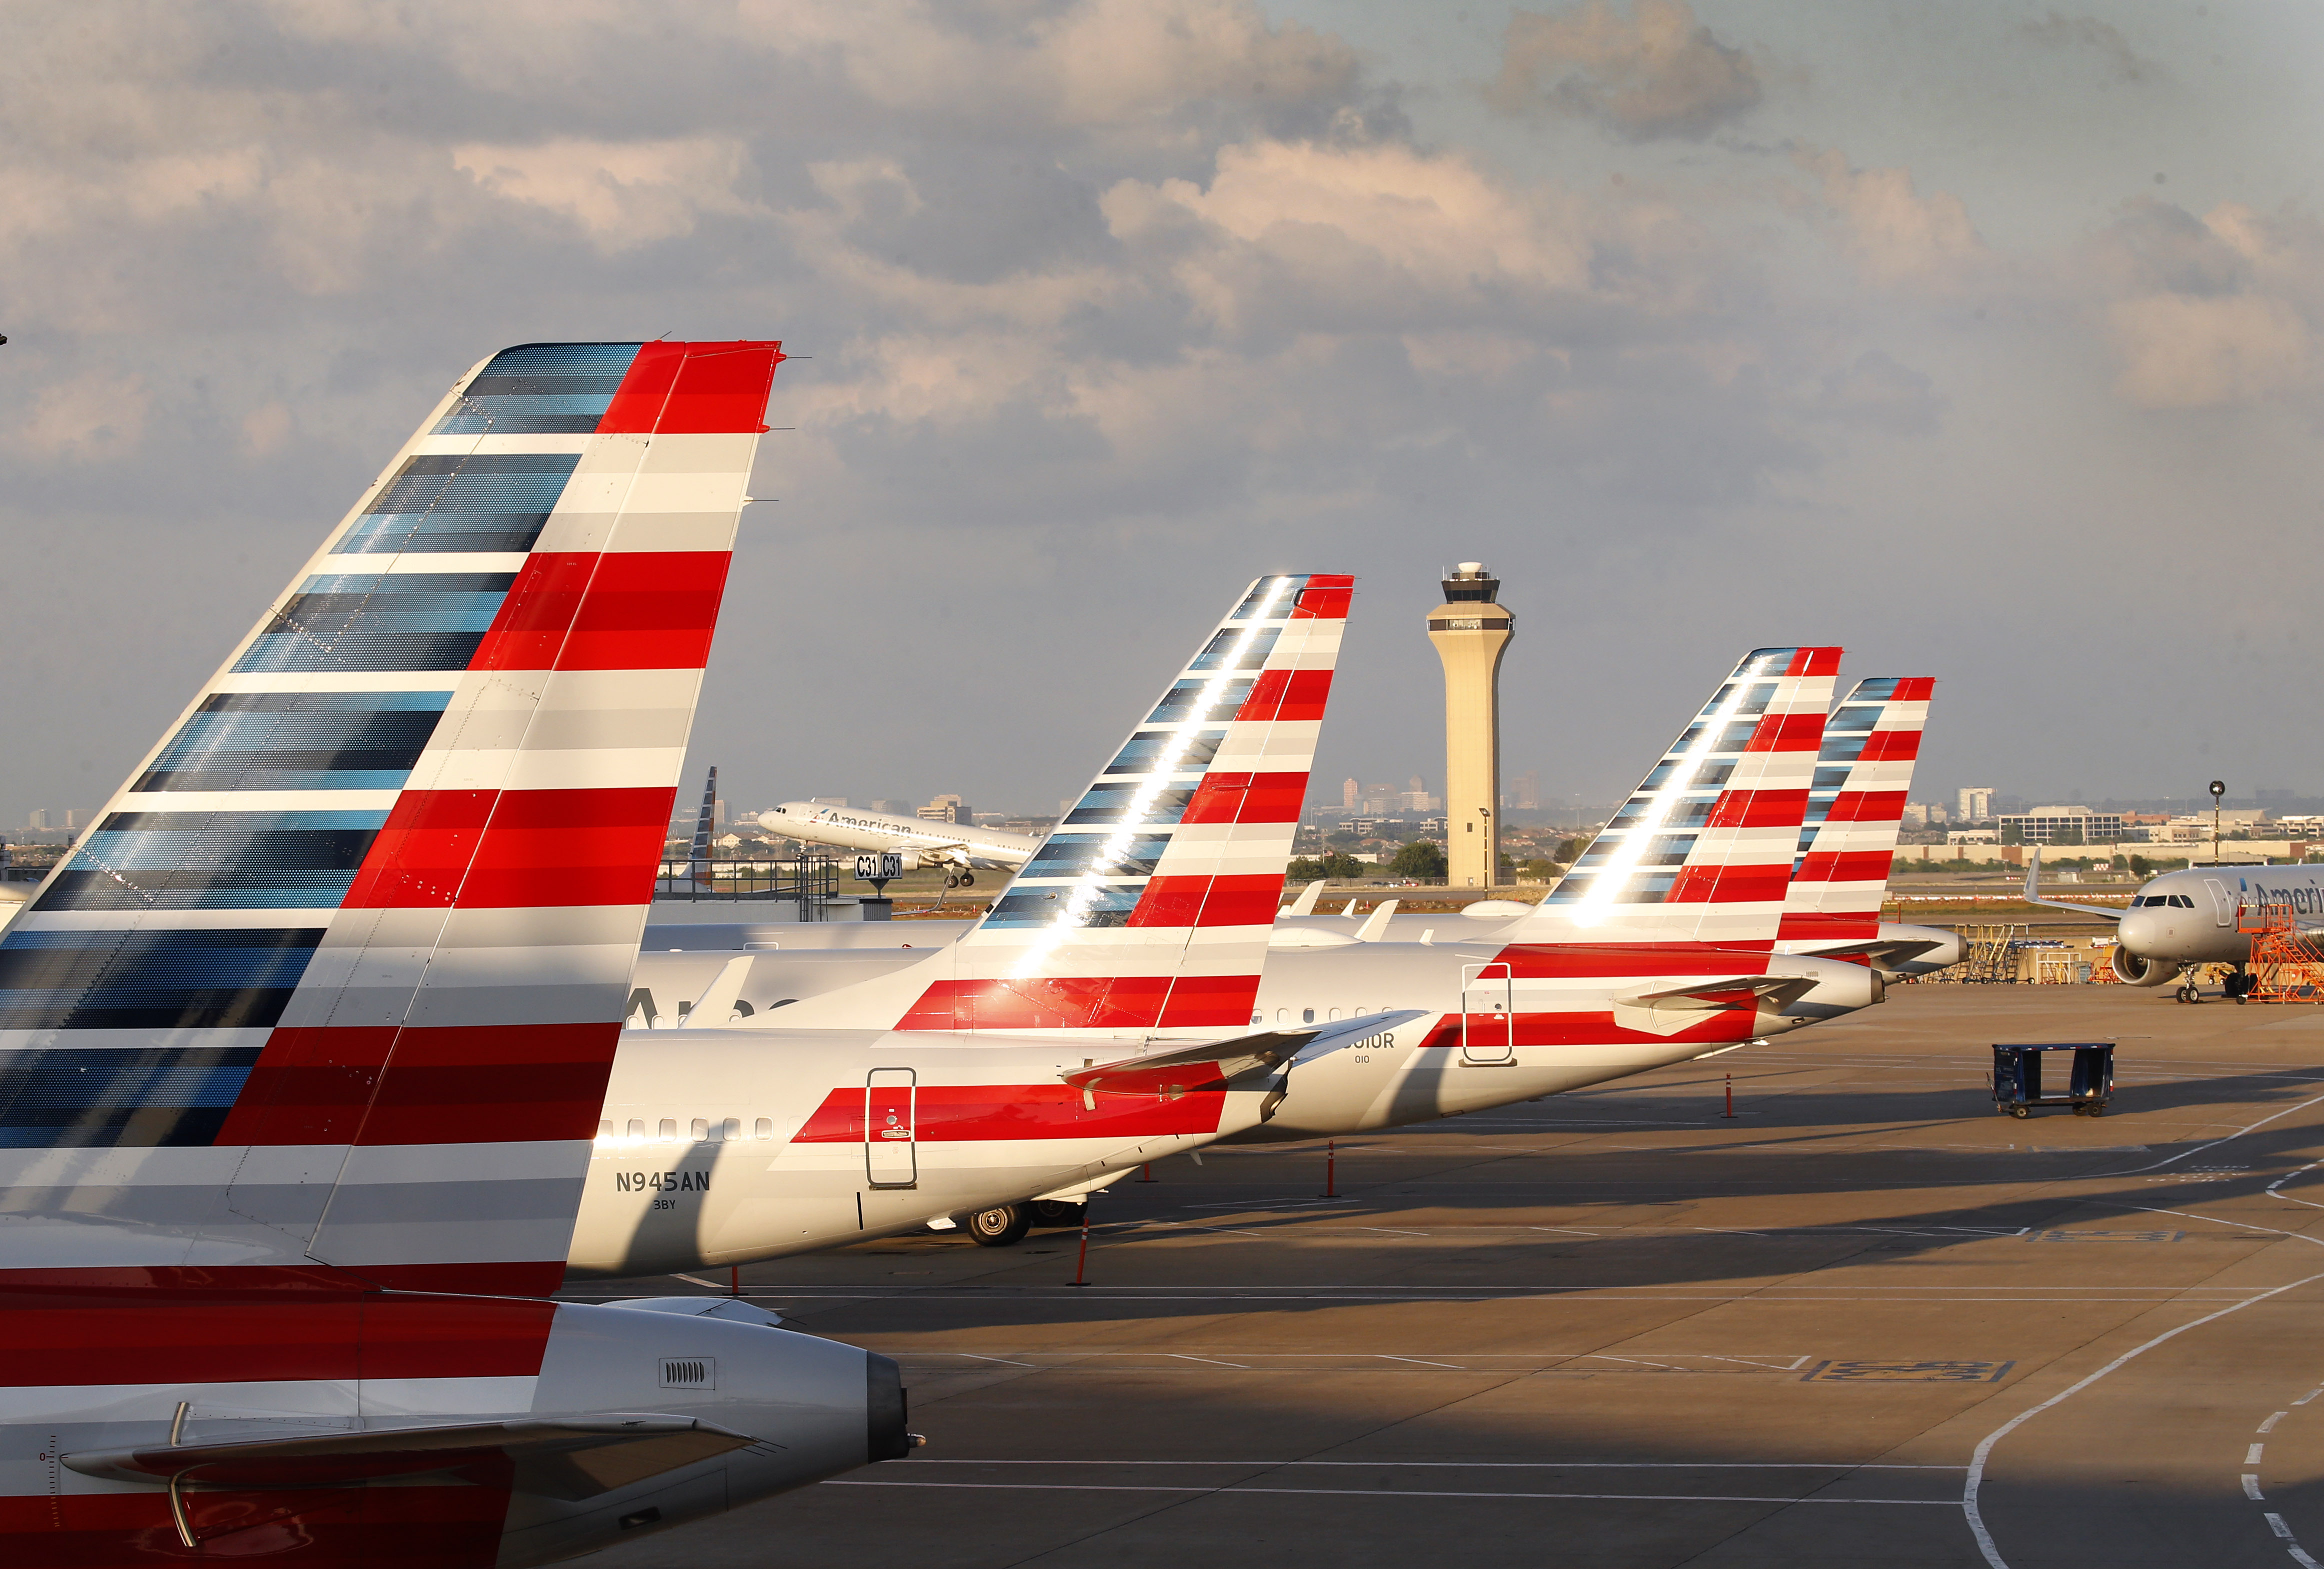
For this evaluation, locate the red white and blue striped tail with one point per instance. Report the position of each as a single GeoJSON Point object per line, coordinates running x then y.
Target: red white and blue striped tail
{"type": "Point", "coordinates": [1701, 852]}
{"type": "Point", "coordinates": [336, 977]}
{"type": "Point", "coordinates": [1856, 806]}
{"type": "Point", "coordinates": [1149, 908]}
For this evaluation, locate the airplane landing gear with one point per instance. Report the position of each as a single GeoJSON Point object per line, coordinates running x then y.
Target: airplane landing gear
{"type": "Point", "coordinates": [951, 880]}
{"type": "Point", "coordinates": [999, 1227]}
{"type": "Point", "coordinates": [968, 880]}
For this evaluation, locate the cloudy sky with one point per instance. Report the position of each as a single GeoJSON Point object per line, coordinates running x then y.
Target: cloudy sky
{"type": "Point", "coordinates": [1983, 338]}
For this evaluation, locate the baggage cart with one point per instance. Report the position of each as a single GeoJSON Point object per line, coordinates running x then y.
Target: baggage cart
{"type": "Point", "coordinates": [2019, 1074]}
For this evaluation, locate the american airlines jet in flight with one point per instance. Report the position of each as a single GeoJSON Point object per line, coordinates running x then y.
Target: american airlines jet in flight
{"type": "Point", "coordinates": [302, 1047]}
{"type": "Point", "coordinates": [962, 849]}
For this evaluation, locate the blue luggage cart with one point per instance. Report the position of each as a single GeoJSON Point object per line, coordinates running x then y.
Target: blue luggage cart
{"type": "Point", "coordinates": [2017, 1077]}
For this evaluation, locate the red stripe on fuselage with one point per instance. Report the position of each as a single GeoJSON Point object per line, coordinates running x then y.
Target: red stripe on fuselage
{"type": "Point", "coordinates": [442, 1526]}
{"type": "Point", "coordinates": [1087, 1003]}
{"type": "Point", "coordinates": [1588, 1027]}
{"type": "Point", "coordinates": [694, 389]}
{"type": "Point", "coordinates": [1815, 663]}
{"type": "Point", "coordinates": [1623, 961]}
{"type": "Point", "coordinates": [515, 849]}
{"type": "Point", "coordinates": [970, 1113]}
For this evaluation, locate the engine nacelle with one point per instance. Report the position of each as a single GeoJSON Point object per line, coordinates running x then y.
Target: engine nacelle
{"type": "Point", "coordinates": [1840, 986]}
{"type": "Point", "coordinates": [2134, 971]}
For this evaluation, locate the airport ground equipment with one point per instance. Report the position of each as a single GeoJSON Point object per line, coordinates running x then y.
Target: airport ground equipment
{"type": "Point", "coordinates": [2287, 964]}
{"type": "Point", "coordinates": [2018, 1077]}
{"type": "Point", "coordinates": [1993, 953]}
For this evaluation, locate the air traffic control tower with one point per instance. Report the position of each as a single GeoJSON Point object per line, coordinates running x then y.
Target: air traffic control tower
{"type": "Point", "coordinates": [1470, 632]}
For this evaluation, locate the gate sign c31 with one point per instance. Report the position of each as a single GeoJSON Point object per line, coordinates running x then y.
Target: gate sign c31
{"type": "Point", "coordinates": [879, 867]}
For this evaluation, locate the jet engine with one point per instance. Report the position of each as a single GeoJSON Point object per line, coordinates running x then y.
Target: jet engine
{"type": "Point", "coordinates": [2134, 971]}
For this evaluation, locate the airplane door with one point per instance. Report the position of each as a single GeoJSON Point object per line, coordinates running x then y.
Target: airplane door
{"type": "Point", "coordinates": [1488, 1013]}
{"type": "Point", "coordinates": [2223, 904]}
{"type": "Point", "coordinates": [890, 1148]}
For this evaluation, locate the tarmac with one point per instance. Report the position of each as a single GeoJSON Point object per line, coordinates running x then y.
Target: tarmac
{"type": "Point", "coordinates": [1866, 1320]}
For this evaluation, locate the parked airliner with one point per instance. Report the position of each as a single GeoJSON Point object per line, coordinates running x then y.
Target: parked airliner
{"type": "Point", "coordinates": [305, 1040]}
{"type": "Point", "coordinates": [2181, 920]}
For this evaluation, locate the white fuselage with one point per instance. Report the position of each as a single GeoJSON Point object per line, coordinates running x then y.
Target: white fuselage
{"type": "Point", "coordinates": [722, 1145]}
{"type": "Point", "coordinates": [922, 842]}
{"type": "Point", "coordinates": [2190, 916]}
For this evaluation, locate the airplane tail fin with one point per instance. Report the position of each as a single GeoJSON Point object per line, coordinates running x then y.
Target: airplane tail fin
{"type": "Point", "coordinates": [335, 982]}
{"type": "Point", "coordinates": [1856, 808]}
{"type": "Point", "coordinates": [1701, 852]}
{"type": "Point", "coordinates": [1149, 906]}
{"type": "Point", "coordinates": [705, 824]}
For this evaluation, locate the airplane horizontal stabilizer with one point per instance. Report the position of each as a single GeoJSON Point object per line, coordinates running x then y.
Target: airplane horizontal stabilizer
{"type": "Point", "coordinates": [569, 1458]}
{"type": "Point", "coordinates": [1705, 996]}
{"type": "Point", "coordinates": [1262, 1052]}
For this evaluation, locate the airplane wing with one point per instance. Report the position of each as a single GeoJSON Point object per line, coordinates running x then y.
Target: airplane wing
{"type": "Point", "coordinates": [1239, 1058]}
{"type": "Point", "coordinates": [1705, 996]}
{"type": "Point", "coordinates": [2034, 892]}
{"type": "Point", "coordinates": [570, 1458]}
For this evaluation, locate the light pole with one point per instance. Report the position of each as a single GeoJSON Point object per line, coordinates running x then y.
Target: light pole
{"type": "Point", "coordinates": [2218, 788]}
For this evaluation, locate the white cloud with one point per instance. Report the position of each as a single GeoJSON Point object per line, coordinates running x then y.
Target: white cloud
{"type": "Point", "coordinates": [1655, 72]}
{"type": "Point", "coordinates": [94, 416]}
{"type": "Point", "coordinates": [622, 194]}
{"type": "Point", "coordinates": [1892, 233]}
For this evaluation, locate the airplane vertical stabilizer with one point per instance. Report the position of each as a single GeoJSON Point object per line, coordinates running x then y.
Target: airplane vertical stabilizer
{"type": "Point", "coordinates": [1701, 852]}
{"type": "Point", "coordinates": [1856, 808]}
{"type": "Point", "coordinates": [335, 982]}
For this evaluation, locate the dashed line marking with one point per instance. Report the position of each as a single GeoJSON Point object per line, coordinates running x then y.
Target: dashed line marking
{"type": "Point", "coordinates": [2251, 1487]}
{"type": "Point", "coordinates": [2269, 1426]}
{"type": "Point", "coordinates": [2275, 1523]}
{"type": "Point", "coordinates": [2252, 1456]}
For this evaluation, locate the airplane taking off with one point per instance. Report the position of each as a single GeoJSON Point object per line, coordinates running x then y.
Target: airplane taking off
{"type": "Point", "coordinates": [1100, 1015]}
{"type": "Point", "coordinates": [300, 1048]}
{"type": "Point", "coordinates": [2183, 920]}
{"type": "Point", "coordinates": [962, 849]}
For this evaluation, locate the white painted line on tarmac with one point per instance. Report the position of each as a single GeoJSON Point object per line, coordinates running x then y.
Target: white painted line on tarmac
{"type": "Point", "coordinates": [1182, 1356]}
{"type": "Point", "coordinates": [2311, 1395]}
{"type": "Point", "coordinates": [2251, 1455]}
{"type": "Point", "coordinates": [2275, 1523]}
{"type": "Point", "coordinates": [1970, 1488]}
{"type": "Point", "coordinates": [1424, 1362]}
{"type": "Point", "coordinates": [2269, 1426]}
{"type": "Point", "coordinates": [1345, 1492]}
{"type": "Point", "coordinates": [2251, 1487]}
{"type": "Point", "coordinates": [1506, 1465]}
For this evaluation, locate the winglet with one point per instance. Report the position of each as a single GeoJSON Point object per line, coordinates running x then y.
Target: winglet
{"type": "Point", "coordinates": [2034, 892]}
{"type": "Point", "coordinates": [1305, 903]}
{"type": "Point", "coordinates": [1374, 929]}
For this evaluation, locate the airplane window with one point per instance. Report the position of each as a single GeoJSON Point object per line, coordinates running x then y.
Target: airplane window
{"type": "Point", "coordinates": [1254, 1016]}
{"type": "Point", "coordinates": [1307, 1016]}
{"type": "Point", "coordinates": [1283, 1016]}
{"type": "Point", "coordinates": [637, 1128]}
{"type": "Point", "coordinates": [604, 1131]}
{"type": "Point", "coordinates": [733, 1129]}
{"type": "Point", "coordinates": [764, 1128]}
{"type": "Point", "coordinates": [701, 1130]}
{"type": "Point", "coordinates": [2182, 901]}
{"type": "Point", "coordinates": [1335, 1013]}
{"type": "Point", "coordinates": [669, 1129]}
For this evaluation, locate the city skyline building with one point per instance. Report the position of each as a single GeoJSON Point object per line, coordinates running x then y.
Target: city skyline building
{"type": "Point", "coordinates": [1471, 632]}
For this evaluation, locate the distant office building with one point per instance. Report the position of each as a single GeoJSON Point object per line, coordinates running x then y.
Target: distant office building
{"type": "Point", "coordinates": [39, 819]}
{"type": "Point", "coordinates": [1529, 790]}
{"type": "Point", "coordinates": [1916, 816]}
{"type": "Point", "coordinates": [718, 811]}
{"type": "Point", "coordinates": [1472, 633]}
{"type": "Point", "coordinates": [826, 801]}
{"type": "Point", "coordinates": [2068, 825]}
{"type": "Point", "coordinates": [948, 809]}
{"type": "Point", "coordinates": [1350, 793]}
{"type": "Point", "coordinates": [1975, 803]}
{"type": "Point", "coordinates": [1936, 814]}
